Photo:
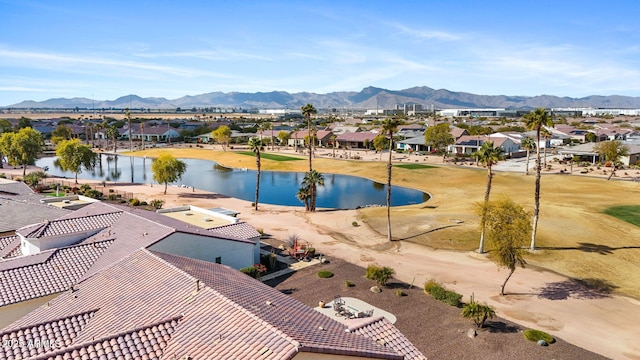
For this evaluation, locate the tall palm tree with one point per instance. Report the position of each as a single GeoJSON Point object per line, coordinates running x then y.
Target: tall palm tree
{"type": "Point", "coordinates": [546, 134]}
{"type": "Point", "coordinates": [333, 145]}
{"type": "Point", "coordinates": [487, 155]}
{"type": "Point", "coordinates": [255, 145]}
{"type": "Point", "coordinates": [127, 114]}
{"type": "Point", "coordinates": [311, 181]}
{"type": "Point", "coordinates": [390, 126]}
{"type": "Point", "coordinates": [307, 111]}
{"type": "Point", "coordinates": [142, 133]}
{"type": "Point", "coordinates": [535, 121]}
{"type": "Point", "coordinates": [529, 144]}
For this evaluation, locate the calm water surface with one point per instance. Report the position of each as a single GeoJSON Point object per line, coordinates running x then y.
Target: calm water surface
{"type": "Point", "coordinates": [278, 188]}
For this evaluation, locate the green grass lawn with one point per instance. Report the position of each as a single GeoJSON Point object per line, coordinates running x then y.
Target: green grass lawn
{"type": "Point", "coordinates": [630, 214]}
{"type": "Point", "coordinates": [415, 166]}
{"type": "Point", "coordinates": [273, 157]}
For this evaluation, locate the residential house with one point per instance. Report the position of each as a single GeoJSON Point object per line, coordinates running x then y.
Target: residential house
{"type": "Point", "coordinates": [98, 235]}
{"type": "Point", "coordinates": [468, 144]}
{"type": "Point", "coordinates": [586, 152]}
{"type": "Point", "coordinates": [154, 305]}
{"type": "Point", "coordinates": [297, 138]}
{"type": "Point", "coordinates": [357, 140]}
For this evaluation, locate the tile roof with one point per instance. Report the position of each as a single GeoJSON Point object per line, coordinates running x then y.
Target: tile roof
{"type": "Point", "coordinates": [8, 245]}
{"type": "Point", "coordinates": [41, 338]}
{"type": "Point", "coordinates": [239, 231]}
{"type": "Point", "coordinates": [314, 331]}
{"type": "Point", "coordinates": [19, 210]}
{"type": "Point", "coordinates": [356, 136]}
{"type": "Point", "coordinates": [46, 273]}
{"type": "Point", "coordinates": [5, 241]}
{"type": "Point", "coordinates": [69, 225]}
{"type": "Point", "coordinates": [382, 331]}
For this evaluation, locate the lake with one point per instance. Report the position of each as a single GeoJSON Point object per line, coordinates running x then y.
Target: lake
{"type": "Point", "coordinates": [276, 187]}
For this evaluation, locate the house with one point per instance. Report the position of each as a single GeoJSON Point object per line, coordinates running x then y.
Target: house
{"type": "Point", "coordinates": [468, 144]}
{"type": "Point", "coordinates": [411, 131]}
{"type": "Point", "coordinates": [150, 305]}
{"type": "Point", "coordinates": [586, 152]}
{"type": "Point", "coordinates": [151, 133]}
{"type": "Point", "coordinates": [20, 206]}
{"type": "Point", "coordinates": [297, 138]}
{"type": "Point", "coordinates": [357, 140]}
{"type": "Point", "coordinates": [46, 258]}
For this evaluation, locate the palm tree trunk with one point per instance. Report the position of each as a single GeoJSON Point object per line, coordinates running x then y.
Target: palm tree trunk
{"type": "Point", "coordinates": [309, 140]}
{"type": "Point", "coordinates": [536, 209]}
{"type": "Point", "coordinates": [505, 281]}
{"type": "Point", "coordinates": [484, 210]}
{"type": "Point", "coordinates": [389, 166]}
{"type": "Point", "coordinates": [526, 169]}
{"type": "Point", "coordinates": [257, 179]}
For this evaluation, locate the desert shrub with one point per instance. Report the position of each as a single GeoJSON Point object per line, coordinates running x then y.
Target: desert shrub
{"type": "Point", "coordinates": [429, 285]}
{"type": "Point", "coordinates": [85, 187]}
{"type": "Point", "coordinates": [122, 201]}
{"type": "Point", "coordinates": [143, 203]}
{"type": "Point", "coordinates": [41, 188]}
{"type": "Point", "coordinates": [112, 197]}
{"type": "Point", "coordinates": [348, 283]}
{"type": "Point", "coordinates": [3, 176]}
{"type": "Point", "coordinates": [441, 294]}
{"type": "Point", "coordinates": [32, 179]}
{"type": "Point", "coordinates": [157, 203]}
{"type": "Point", "coordinates": [535, 335]}
{"type": "Point", "coordinates": [325, 274]}
{"type": "Point", "coordinates": [478, 313]}
{"type": "Point", "coordinates": [111, 190]}
{"type": "Point", "coordinates": [355, 224]}
{"type": "Point", "coordinates": [134, 202]}
{"type": "Point", "coordinates": [251, 271]}
{"type": "Point", "coordinates": [94, 194]}
{"type": "Point", "coordinates": [380, 274]}
{"type": "Point", "coordinates": [400, 293]}
{"type": "Point", "coordinates": [311, 252]}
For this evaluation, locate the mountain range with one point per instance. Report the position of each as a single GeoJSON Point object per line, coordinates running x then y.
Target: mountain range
{"type": "Point", "coordinates": [368, 98]}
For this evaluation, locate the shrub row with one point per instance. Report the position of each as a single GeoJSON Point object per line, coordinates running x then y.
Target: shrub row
{"type": "Point", "coordinates": [441, 294]}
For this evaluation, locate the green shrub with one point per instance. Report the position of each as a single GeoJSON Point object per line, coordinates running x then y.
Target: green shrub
{"type": "Point", "coordinates": [355, 224]}
{"type": "Point", "coordinates": [380, 274]}
{"type": "Point", "coordinates": [143, 203]}
{"type": "Point", "coordinates": [452, 298]}
{"type": "Point", "coordinates": [85, 187]}
{"type": "Point", "coordinates": [3, 175]}
{"type": "Point", "coordinates": [311, 252]}
{"type": "Point", "coordinates": [112, 197]}
{"type": "Point", "coordinates": [325, 274]}
{"type": "Point", "coordinates": [32, 179]}
{"type": "Point", "coordinates": [251, 271]}
{"type": "Point", "coordinates": [157, 203]}
{"type": "Point", "coordinates": [400, 293]}
{"type": "Point", "coordinates": [348, 283]}
{"type": "Point", "coordinates": [429, 285]}
{"type": "Point", "coordinates": [535, 335]}
{"type": "Point", "coordinates": [438, 293]}
{"type": "Point", "coordinates": [94, 194]}
{"type": "Point", "coordinates": [134, 202]}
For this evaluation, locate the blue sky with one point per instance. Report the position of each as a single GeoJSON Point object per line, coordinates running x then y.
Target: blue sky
{"type": "Point", "coordinates": [107, 49]}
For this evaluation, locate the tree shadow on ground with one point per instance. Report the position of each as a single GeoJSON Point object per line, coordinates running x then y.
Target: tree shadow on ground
{"type": "Point", "coordinates": [591, 248]}
{"type": "Point", "coordinates": [187, 195]}
{"type": "Point", "coordinates": [577, 288]}
{"type": "Point", "coordinates": [500, 327]}
{"type": "Point", "coordinates": [428, 231]}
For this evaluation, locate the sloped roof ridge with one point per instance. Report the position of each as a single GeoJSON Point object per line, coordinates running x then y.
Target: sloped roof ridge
{"type": "Point", "coordinates": [15, 330]}
{"type": "Point", "coordinates": [218, 294]}
{"type": "Point", "coordinates": [88, 343]}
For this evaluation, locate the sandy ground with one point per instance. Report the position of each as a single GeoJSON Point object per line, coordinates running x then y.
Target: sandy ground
{"type": "Point", "coordinates": [607, 325]}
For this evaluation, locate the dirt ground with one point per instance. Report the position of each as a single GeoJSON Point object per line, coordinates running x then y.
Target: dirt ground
{"type": "Point", "coordinates": [577, 240]}
{"type": "Point", "coordinates": [436, 329]}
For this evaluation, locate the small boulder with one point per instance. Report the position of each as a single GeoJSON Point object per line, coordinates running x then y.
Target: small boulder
{"type": "Point", "coordinates": [542, 343]}
{"type": "Point", "coordinates": [375, 289]}
{"type": "Point", "coordinates": [471, 333]}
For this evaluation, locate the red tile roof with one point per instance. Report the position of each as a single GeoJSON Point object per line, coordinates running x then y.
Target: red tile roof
{"type": "Point", "coordinates": [356, 136]}
{"type": "Point", "coordinates": [69, 225]}
{"type": "Point", "coordinates": [41, 338]}
{"type": "Point", "coordinates": [382, 331]}
{"type": "Point", "coordinates": [46, 273]}
{"type": "Point", "coordinates": [239, 231]}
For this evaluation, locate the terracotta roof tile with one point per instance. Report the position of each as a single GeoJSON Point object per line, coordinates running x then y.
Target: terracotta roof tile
{"type": "Point", "coordinates": [382, 331]}
{"type": "Point", "coordinates": [43, 337]}
{"type": "Point", "coordinates": [287, 315]}
{"type": "Point", "coordinates": [356, 136]}
{"type": "Point", "coordinates": [69, 225]}
{"type": "Point", "coordinates": [46, 273]}
{"type": "Point", "coordinates": [5, 241]}
{"type": "Point", "coordinates": [238, 231]}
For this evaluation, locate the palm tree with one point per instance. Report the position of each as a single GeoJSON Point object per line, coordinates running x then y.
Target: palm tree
{"type": "Point", "coordinates": [307, 111]}
{"type": "Point", "coordinates": [535, 121]}
{"type": "Point", "coordinates": [389, 127]}
{"type": "Point", "coordinates": [127, 114]}
{"type": "Point", "coordinates": [142, 133]}
{"type": "Point", "coordinates": [528, 143]}
{"type": "Point", "coordinates": [546, 134]}
{"type": "Point", "coordinates": [112, 132]}
{"type": "Point", "coordinates": [304, 196]}
{"type": "Point", "coordinates": [333, 145]}
{"type": "Point", "coordinates": [255, 144]}
{"type": "Point", "coordinates": [311, 181]}
{"type": "Point", "coordinates": [487, 155]}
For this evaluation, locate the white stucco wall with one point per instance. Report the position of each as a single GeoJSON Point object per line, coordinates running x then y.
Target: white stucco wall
{"type": "Point", "coordinates": [232, 253]}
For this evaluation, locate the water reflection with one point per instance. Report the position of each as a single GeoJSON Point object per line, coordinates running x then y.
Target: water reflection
{"type": "Point", "coordinates": [340, 191]}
